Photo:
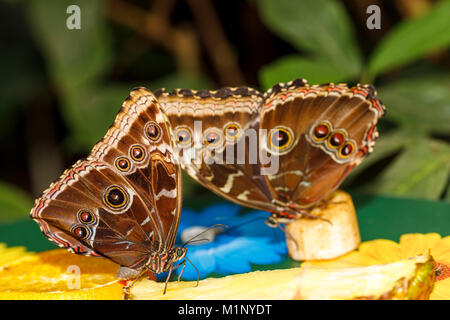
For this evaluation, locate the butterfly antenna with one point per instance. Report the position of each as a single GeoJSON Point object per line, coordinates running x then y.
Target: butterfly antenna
{"type": "Point", "coordinates": [246, 222]}
{"type": "Point", "coordinates": [219, 225]}
{"type": "Point", "coordinates": [195, 240]}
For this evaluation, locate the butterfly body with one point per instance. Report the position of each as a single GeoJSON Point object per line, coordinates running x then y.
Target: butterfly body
{"type": "Point", "coordinates": [123, 202]}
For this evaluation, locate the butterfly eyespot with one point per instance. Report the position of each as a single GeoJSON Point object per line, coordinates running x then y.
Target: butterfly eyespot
{"type": "Point", "coordinates": [85, 216]}
{"type": "Point", "coordinates": [213, 137]}
{"type": "Point", "coordinates": [115, 197]}
{"type": "Point", "coordinates": [336, 139]}
{"type": "Point", "coordinates": [183, 135]}
{"type": "Point", "coordinates": [81, 232]}
{"type": "Point", "coordinates": [281, 139]}
{"type": "Point", "coordinates": [347, 150]}
{"type": "Point", "coordinates": [321, 131]}
{"type": "Point", "coordinates": [232, 131]}
{"type": "Point", "coordinates": [123, 164]}
{"type": "Point", "coordinates": [137, 153]}
{"type": "Point", "coordinates": [153, 131]}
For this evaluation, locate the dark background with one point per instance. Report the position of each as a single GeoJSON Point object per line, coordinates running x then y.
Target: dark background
{"type": "Point", "coordinates": [60, 89]}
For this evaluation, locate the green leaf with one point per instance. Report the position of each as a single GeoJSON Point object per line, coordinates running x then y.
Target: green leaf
{"type": "Point", "coordinates": [17, 90]}
{"type": "Point", "coordinates": [21, 76]}
{"type": "Point", "coordinates": [421, 171]}
{"type": "Point", "coordinates": [419, 103]}
{"type": "Point", "coordinates": [412, 39]}
{"type": "Point", "coordinates": [285, 69]}
{"type": "Point", "coordinates": [14, 203]}
{"type": "Point", "coordinates": [385, 146]}
{"type": "Point", "coordinates": [75, 57]}
{"type": "Point", "coordinates": [447, 194]}
{"type": "Point", "coordinates": [321, 27]}
{"type": "Point", "coordinates": [191, 188]}
{"type": "Point", "coordinates": [90, 112]}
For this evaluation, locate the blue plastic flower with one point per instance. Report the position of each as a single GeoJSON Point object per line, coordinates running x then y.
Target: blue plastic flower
{"type": "Point", "coordinates": [247, 240]}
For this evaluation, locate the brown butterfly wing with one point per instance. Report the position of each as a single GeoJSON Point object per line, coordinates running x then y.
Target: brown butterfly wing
{"type": "Point", "coordinates": [218, 124]}
{"type": "Point", "coordinates": [154, 171]}
{"type": "Point", "coordinates": [123, 202]}
{"type": "Point", "coordinates": [54, 215]}
{"type": "Point", "coordinates": [319, 133]}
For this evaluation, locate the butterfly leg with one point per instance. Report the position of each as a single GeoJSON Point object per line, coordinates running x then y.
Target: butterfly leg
{"type": "Point", "coordinates": [198, 278]}
{"type": "Point", "coordinates": [299, 213]}
{"type": "Point", "coordinates": [276, 219]}
{"type": "Point", "coordinates": [184, 266]}
{"type": "Point", "coordinates": [170, 273]}
{"type": "Point", "coordinates": [288, 235]}
{"type": "Point", "coordinates": [167, 279]}
{"type": "Point", "coordinates": [324, 203]}
{"type": "Point", "coordinates": [182, 269]}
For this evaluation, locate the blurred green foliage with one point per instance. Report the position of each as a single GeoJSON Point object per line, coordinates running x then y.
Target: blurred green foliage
{"type": "Point", "coordinates": [14, 202]}
{"type": "Point", "coordinates": [411, 157]}
{"type": "Point", "coordinates": [412, 39]}
{"type": "Point", "coordinates": [417, 105]}
{"type": "Point", "coordinates": [322, 29]}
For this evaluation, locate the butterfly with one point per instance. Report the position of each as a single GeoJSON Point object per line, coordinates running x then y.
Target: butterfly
{"type": "Point", "coordinates": [123, 201]}
{"type": "Point", "coordinates": [283, 151]}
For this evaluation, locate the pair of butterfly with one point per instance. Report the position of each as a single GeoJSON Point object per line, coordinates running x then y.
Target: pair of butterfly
{"type": "Point", "coordinates": [123, 202]}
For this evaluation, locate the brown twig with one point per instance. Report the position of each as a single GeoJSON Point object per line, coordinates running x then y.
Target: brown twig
{"type": "Point", "coordinates": [213, 37]}
{"type": "Point", "coordinates": [44, 155]}
{"type": "Point", "coordinates": [181, 42]}
{"type": "Point", "coordinates": [163, 8]}
{"type": "Point", "coordinates": [413, 8]}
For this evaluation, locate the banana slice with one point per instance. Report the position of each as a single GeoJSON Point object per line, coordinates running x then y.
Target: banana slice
{"type": "Point", "coordinates": [406, 279]}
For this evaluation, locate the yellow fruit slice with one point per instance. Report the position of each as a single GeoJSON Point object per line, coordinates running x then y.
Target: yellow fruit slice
{"type": "Point", "coordinates": [261, 285]}
{"type": "Point", "coordinates": [9, 255]}
{"type": "Point", "coordinates": [409, 279]}
{"type": "Point", "coordinates": [59, 274]}
{"type": "Point", "coordinates": [406, 279]}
